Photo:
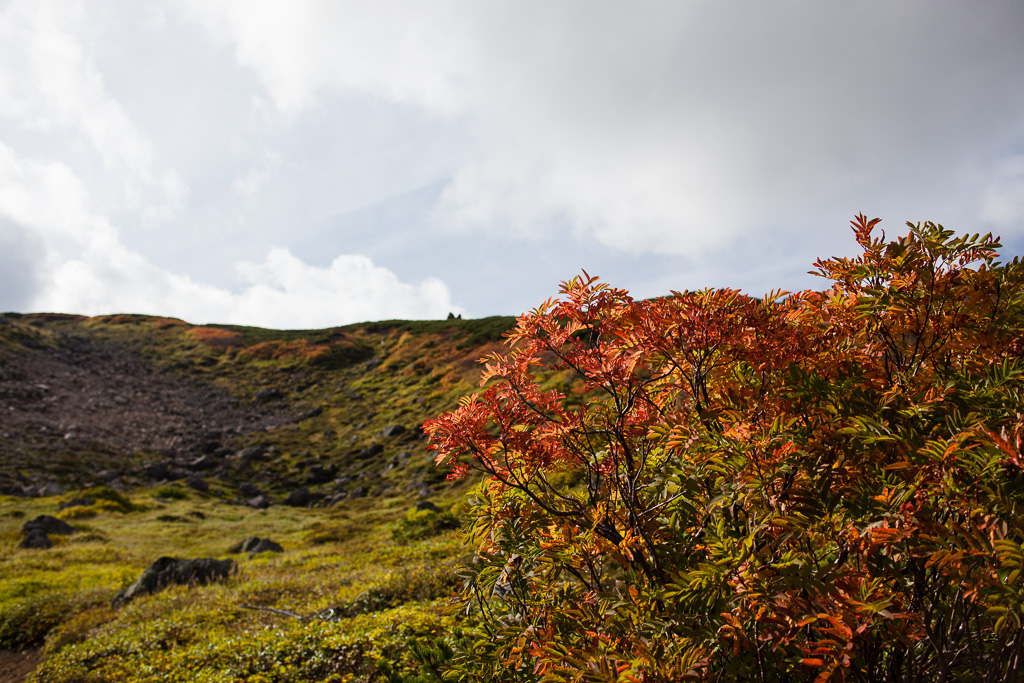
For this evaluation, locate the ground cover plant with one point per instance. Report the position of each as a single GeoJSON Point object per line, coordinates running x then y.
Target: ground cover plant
{"type": "Point", "coordinates": [820, 485]}
{"type": "Point", "coordinates": [324, 609]}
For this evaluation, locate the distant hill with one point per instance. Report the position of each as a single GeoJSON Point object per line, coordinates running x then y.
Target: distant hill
{"type": "Point", "coordinates": [132, 400]}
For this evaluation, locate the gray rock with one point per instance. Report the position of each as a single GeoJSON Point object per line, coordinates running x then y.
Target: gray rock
{"type": "Point", "coordinates": [255, 545]}
{"type": "Point", "coordinates": [168, 571]}
{"type": "Point", "coordinates": [47, 525]}
{"type": "Point", "coordinates": [251, 453]}
{"type": "Point", "coordinates": [268, 395]}
{"type": "Point", "coordinates": [51, 489]}
{"type": "Point", "coordinates": [392, 431]}
{"type": "Point", "coordinates": [357, 492]}
{"type": "Point", "coordinates": [106, 476]}
{"type": "Point", "coordinates": [338, 497]}
{"type": "Point", "coordinates": [426, 505]}
{"type": "Point", "coordinates": [258, 502]}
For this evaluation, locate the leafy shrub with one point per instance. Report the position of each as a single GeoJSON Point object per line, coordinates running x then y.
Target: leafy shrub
{"type": "Point", "coordinates": [169, 492]}
{"type": "Point", "coordinates": [78, 512]}
{"type": "Point", "coordinates": [78, 628]}
{"type": "Point", "coordinates": [818, 485]}
{"type": "Point", "coordinates": [28, 621]}
{"type": "Point", "coordinates": [108, 499]}
{"type": "Point", "coordinates": [420, 524]}
{"type": "Point", "coordinates": [214, 337]}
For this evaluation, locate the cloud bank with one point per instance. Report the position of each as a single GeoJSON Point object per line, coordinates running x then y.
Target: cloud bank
{"type": "Point", "coordinates": [674, 127]}
{"type": "Point", "coordinates": [323, 162]}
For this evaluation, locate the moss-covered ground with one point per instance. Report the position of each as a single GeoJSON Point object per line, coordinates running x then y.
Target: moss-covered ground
{"type": "Point", "coordinates": [362, 594]}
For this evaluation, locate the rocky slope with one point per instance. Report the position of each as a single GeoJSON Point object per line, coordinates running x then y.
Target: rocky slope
{"type": "Point", "coordinates": [307, 417]}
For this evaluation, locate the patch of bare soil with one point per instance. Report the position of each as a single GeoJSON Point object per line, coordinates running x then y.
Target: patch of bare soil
{"type": "Point", "coordinates": [16, 666]}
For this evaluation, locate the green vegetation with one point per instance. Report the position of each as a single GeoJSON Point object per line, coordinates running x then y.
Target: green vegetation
{"type": "Point", "coordinates": [363, 597]}
{"type": "Point", "coordinates": [813, 486]}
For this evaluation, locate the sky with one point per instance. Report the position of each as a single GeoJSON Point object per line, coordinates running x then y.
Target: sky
{"type": "Point", "coordinates": [317, 163]}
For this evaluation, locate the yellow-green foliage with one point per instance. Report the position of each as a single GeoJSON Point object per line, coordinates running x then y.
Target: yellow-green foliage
{"type": "Point", "coordinates": [420, 524]}
{"type": "Point", "coordinates": [170, 492]}
{"type": "Point", "coordinates": [78, 512]}
{"type": "Point", "coordinates": [382, 595]}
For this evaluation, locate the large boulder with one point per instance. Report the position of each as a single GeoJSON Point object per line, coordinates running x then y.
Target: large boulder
{"type": "Point", "coordinates": [170, 571]}
{"type": "Point", "coordinates": [36, 539]}
{"type": "Point", "coordinates": [47, 525]}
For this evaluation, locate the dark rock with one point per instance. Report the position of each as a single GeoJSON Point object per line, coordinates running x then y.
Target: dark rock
{"type": "Point", "coordinates": [248, 490]}
{"type": "Point", "coordinates": [197, 514]}
{"type": "Point", "coordinates": [204, 463]}
{"type": "Point", "coordinates": [47, 525]}
{"type": "Point", "coordinates": [172, 518]}
{"type": "Point", "coordinates": [51, 489]}
{"type": "Point", "coordinates": [255, 545]}
{"type": "Point", "coordinates": [319, 474]}
{"type": "Point", "coordinates": [157, 471]}
{"type": "Point", "coordinates": [168, 571]}
{"type": "Point", "coordinates": [336, 498]}
{"type": "Point", "coordinates": [426, 505]}
{"type": "Point", "coordinates": [371, 451]}
{"type": "Point", "coordinates": [301, 497]}
{"type": "Point", "coordinates": [268, 395]}
{"type": "Point", "coordinates": [258, 502]}
{"type": "Point", "coordinates": [357, 492]}
{"type": "Point", "coordinates": [74, 503]}
{"type": "Point", "coordinates": [36, 539]}
{"type": "Point", "coordinates": [311, 413]}
{"type": "Point", "coordinates": [198, 483]}
{"type": "Point", "coordinates": [392, 431]}
{"type": "Point", "coordinates": [17, 491]}
{"type": "Point", "coordinates": [106, 476]}
{"type": "Point", "coordinates": [251, 453]}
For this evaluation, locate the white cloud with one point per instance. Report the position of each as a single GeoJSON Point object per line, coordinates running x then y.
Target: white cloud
{"type": "Point", "coordinates": [1004, 199]}
{"type": "Point", "coordinates": [50, 85]}
{"type": "Point", "coordinates": [665, 126]}
{"type": "Point", "coordinates": [85, 268]}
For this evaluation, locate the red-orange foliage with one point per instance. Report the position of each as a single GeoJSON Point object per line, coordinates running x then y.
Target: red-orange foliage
{"type": "Point", "coordinates": [817, 485]}
{"type": "Point", "coordinates": [215, 336]}
{"type": "Point", "coordinates": [278, 350]}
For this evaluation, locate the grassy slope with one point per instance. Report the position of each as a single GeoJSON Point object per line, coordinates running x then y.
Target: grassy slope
{"type": "Point", "coordinates": [362, 378]}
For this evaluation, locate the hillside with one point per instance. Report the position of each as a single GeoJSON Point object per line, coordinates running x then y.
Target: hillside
{"type": "Point", "coordinates": [153, 437]}
{"type": "Point", "coordinates": [138, 401]}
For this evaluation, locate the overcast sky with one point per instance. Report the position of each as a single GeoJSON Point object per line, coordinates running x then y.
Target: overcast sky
{"type": "Point", "coordinates": [308, 164]}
